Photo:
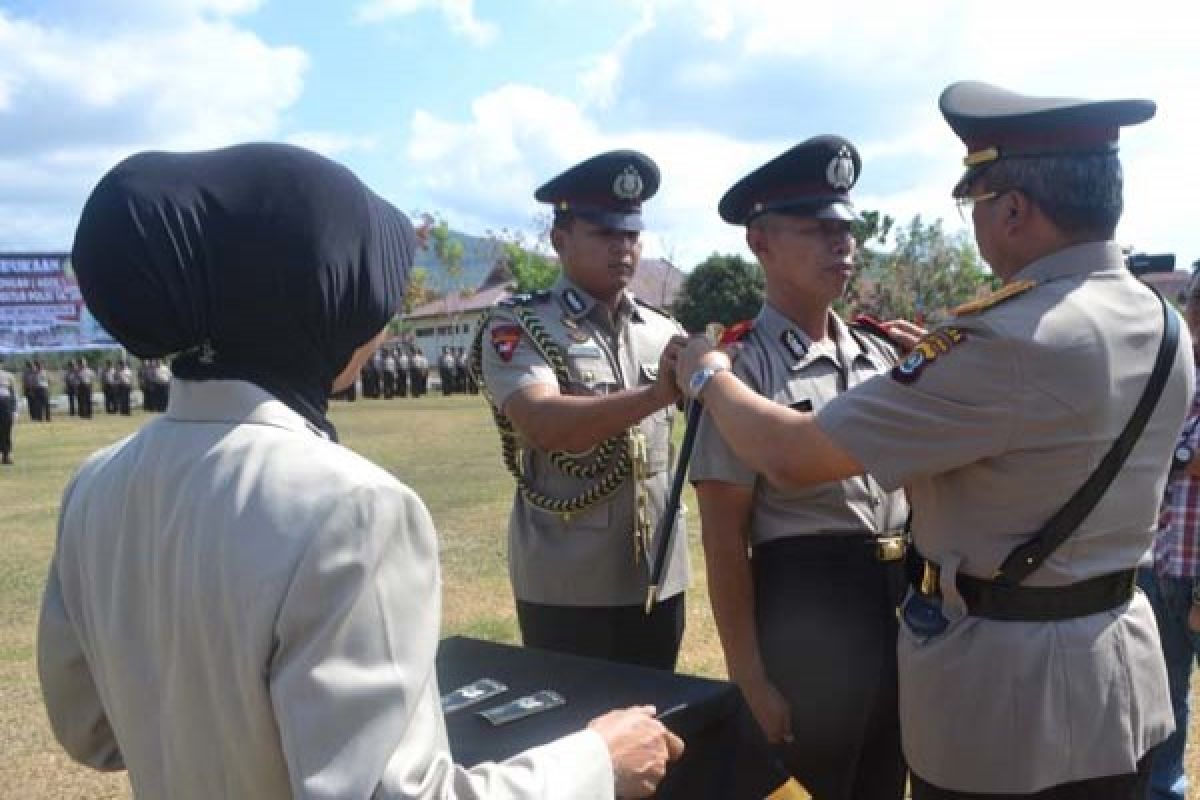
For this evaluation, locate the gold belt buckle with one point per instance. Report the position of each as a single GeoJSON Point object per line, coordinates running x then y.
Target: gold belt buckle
{"type": "Point", "coordinates": [889, 548]}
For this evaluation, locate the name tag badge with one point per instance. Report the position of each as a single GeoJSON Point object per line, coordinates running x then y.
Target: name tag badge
{"type": "Point", "coordinates": [801, 405]}
{"type": "Point", "coordinates": [585, 351]}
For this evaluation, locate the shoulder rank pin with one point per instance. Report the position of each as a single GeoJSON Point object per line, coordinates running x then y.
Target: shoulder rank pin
{"type": "Point", "coordinates": [994, 299]}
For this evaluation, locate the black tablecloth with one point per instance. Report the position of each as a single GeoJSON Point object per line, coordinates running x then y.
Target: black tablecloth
{"type": "Point", "coordinates": [726, 756]}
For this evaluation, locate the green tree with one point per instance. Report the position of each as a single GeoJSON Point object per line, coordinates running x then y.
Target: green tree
{"type": "Point", "coordinates": [530, 269]}
{"type": "Point", "coordinates": [724, 289]}
{"type": "Point", "coordinates": [417, 292]}
{"type": "Point", "coordinates": [926, 274]}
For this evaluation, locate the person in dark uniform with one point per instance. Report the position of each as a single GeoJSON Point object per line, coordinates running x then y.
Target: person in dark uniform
{"type": "Point", "coordinates": [123, 377]}
{"type": "Point", "coordinates": [578, 378]}
{"type": "Point", "coordinates": [87, 380]}
{"type": "Point", "coordinates": [108, 382]}
{"type": "Point", "coordinates": [419, 373]}
{"type": "Point", "coordinates": [70, 381]}
{"type": "Point", "coordinates": [1029, 667]}
{"type": "Point", "coordinates": [389, 374]}
{"type": "Point", "coordinates": [808, 621]}
{"type": "Point", "coordinates": [446, 371]}
{"type": "Point", "coordinates": [402, 370]}
{"type": "Point", "coordinates": [8, 409]}
{"type": "Point", "coordinates": [41, 390]}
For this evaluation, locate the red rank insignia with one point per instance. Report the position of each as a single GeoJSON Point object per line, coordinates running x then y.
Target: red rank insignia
{"type": "Point", "coordinates": [504, 339]}
{"type": "Point", "coordinates": [735, 333]}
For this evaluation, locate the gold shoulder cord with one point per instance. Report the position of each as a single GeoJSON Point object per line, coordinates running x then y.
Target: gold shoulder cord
{"type": "Point", "coordinates": [613, 458]}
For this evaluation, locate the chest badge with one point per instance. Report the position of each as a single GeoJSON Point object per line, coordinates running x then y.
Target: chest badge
{"type": "Point", "coordinates": [574, 332]}
{"type": "Point", "coordinates": [926, 351]}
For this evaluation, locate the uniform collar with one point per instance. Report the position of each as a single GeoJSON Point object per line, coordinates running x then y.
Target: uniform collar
{"type": "Point", "coordinates": [1078, 259]}
{"type": "Point", "coordinates": [797, 347]}
{"type": "Point", "coordinates": [237, 402]}
{"type": "Point", "coordinates": [577, 303]}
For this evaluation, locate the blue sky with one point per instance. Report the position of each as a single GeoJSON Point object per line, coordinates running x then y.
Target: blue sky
{"type": "Point", "coordinates": [463, 107]}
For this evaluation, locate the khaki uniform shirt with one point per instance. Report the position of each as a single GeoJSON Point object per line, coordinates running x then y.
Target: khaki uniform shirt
{"type": "Point", "coordinates": [993, 423]}
{"type": "Point", "coordinates": [238, 607]}
{"type": "Point", "coordinates": [588, 559]}
{"type": "Point", "coordinates": [781, 362]}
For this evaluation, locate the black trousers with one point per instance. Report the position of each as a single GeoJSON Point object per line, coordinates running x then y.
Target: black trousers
{"type": "Point", "coordinates": [6, 424]}
{"type": "Point", "coordinates": [123, 393]}
{"type": "Point", "coordinates": [84, 400]}
{"type": "Point", "coordinates": [617, 633]}
{"type": "Point", "coordinates": [826, 624]}
{"type": "Point", "coordinates": [1131, 786]}
{"type": "Point", "coordinates": [43, 404]}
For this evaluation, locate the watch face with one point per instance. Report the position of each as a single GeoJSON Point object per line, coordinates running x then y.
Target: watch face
{"type": "Point", "coordinates": [699, 378]}
{"type": "Point", "coordinates": [1183, 455]}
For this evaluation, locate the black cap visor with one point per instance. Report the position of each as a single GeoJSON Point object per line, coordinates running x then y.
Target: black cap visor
{"type": "Point", "coordinates": [616, 220]}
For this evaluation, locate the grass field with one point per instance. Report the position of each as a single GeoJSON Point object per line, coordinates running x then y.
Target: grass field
{"type": "Point", "coordinates": [445, 448]}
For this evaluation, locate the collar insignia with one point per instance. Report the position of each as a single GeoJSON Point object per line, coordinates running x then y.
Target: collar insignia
{"type": "Point", "coordinates": [793, 344]}
{"type": "Point", "coordinates": [573, 301]}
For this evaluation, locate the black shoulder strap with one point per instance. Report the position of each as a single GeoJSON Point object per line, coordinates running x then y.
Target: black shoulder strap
{"type": "Point", "coordinates": [1022, 561]}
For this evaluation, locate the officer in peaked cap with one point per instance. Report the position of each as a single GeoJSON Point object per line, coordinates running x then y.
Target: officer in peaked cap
{"type": "Point", "coordinates": [1028, 664]}
{"type": "Point", "coordinates": [580, 380]}
{"type": "Point", "coordinates": [799, 578]}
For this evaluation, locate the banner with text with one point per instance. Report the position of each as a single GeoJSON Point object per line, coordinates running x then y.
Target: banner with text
{"type": "Point", "coordinates": [41, 308]}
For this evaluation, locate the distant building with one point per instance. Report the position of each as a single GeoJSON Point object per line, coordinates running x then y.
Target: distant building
{"type": "Point", "coordinates": [451, 320]}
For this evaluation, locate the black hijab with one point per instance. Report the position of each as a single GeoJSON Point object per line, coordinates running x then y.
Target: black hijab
{"type": "Point", "coordinates": [261, 262]}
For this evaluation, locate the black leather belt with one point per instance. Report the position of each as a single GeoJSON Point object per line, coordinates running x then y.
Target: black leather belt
{"type": "Point", "coordinates": [840, 546]}
{"type": "Point", "coordinates": [1002, 601]}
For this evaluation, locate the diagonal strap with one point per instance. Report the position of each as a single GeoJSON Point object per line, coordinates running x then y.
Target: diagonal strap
{"type": "Point", "coordinates": [1022, 561]}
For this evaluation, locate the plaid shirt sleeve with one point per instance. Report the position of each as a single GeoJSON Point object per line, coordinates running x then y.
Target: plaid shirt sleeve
{"type": "Point", "coordinates": [1177, 543]}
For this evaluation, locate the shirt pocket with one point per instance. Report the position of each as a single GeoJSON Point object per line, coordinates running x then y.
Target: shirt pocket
{"type": "Point", "coordinates": [656, 427]}
{"type": "Point", "coordinates": [590, 375]}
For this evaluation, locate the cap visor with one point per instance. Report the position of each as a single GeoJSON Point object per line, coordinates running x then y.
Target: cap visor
{"type": "Point", "coordinates": [842, 211]}
{"type": "Point", "coordinates": [617, 220]}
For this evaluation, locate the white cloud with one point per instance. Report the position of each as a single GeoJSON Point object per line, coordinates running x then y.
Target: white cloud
{"type": "Point", "coordinates": [459, 15]}
{"type": "Point", "coordinates": [332, 144]}
{"type": "Point", "coordinates": [74, 101]}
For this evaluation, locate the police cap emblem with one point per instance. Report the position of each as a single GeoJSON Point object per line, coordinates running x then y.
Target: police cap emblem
{"type": "Point", "coordinates": [840, 172]}
{"type": "Point", "coordinates": [628, 185]}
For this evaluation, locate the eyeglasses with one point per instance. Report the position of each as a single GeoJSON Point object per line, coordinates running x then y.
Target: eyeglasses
{"type": "Point", "coordinates": [967, 203]}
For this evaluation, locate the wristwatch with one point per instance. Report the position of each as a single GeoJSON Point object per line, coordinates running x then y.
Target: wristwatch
{"type": "Point", "coordinates": [1182, 457]}
{"type": "Point", "coordinates": [700, 379]}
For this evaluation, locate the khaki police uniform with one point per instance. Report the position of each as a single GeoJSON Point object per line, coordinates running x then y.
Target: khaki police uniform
{"type": "Point", "coordinates": [992, 423]}
{"type": "Point", "coordinates": [296, 601]}
{"type": "Point", "coordinates": [8, 407]}
{"type": "Point", "coordinates": [587, 558]}
{"type": "Point", "coordinates": [824, 586]}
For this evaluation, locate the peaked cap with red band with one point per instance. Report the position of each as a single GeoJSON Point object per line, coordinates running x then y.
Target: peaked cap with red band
{"type": "Point", "coordinates": [607, 189]}
{"type": "Point", "coordinates": [812, 179]}
{"type": "Point", "coordinates": [996, 123]}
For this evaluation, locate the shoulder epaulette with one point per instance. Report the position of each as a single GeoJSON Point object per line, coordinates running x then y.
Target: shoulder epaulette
{"type": "Point", "coordinates": [736, 332]}
{"type": "Point", "coordinates": [868, 324]}
{"type": "Point", "coordinates": [994, 299]}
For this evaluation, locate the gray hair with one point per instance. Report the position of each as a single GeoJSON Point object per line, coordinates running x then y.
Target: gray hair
{"type": "Point", "coordinates": [1081, 195]}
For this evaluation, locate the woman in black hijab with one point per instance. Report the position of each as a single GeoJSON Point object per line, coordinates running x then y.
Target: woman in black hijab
{"type": "Point", "coordinates": [238, 606]}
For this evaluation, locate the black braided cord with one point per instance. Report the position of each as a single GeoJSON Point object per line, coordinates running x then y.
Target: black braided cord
{"type": "Point", "coordinates": [612, 458]}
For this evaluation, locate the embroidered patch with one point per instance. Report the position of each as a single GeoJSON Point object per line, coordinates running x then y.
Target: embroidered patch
{"type": "Point", "coordinates": [504, 340]}
{"type": "Point", "coordinates": [926, 352]}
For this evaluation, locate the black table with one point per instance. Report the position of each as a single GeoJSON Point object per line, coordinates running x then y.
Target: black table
{"type": "Point", "coordinates": [727, 756]}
